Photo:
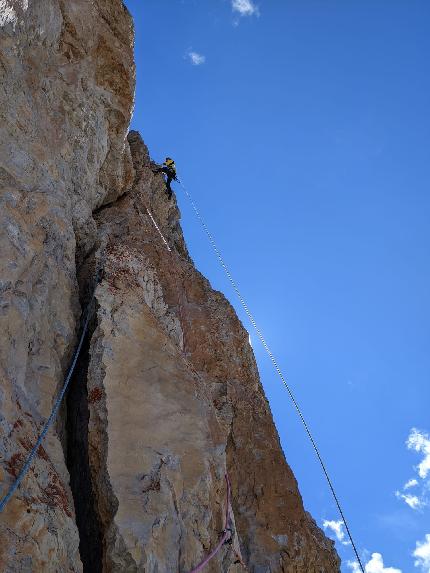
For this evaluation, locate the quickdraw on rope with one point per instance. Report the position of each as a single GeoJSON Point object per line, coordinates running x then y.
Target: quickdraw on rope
{"type": "Point", "coordinates": [26, 467]}
{"type": "Point", "coordinates": [226, 533]}
{"type": "Point", "coordinates": [276, 366]}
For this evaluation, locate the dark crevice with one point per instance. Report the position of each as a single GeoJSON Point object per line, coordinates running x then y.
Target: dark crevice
{"type": "Point", "coordinates": [110, 204]}
{"type": "Point", "coordinates": [77, 459]}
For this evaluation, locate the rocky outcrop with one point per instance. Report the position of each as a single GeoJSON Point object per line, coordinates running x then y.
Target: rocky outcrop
{"type": "Point", "coordinates": [175, 402]}
{"type": "Point", "coordinates": [166, 397]}
{"type": "Point", "coordinates": [66, 95]}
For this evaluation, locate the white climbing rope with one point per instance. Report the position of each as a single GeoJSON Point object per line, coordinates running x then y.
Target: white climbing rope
{"type": "Point", "coordinates": [158, 229]}
{"type": "Point", "coordinates": [276, 366]}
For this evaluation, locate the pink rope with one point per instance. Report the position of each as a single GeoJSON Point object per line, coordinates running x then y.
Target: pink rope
{"type": "Point", "coordinates": [226, 533]}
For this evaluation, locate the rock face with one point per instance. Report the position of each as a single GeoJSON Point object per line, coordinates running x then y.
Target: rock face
{"type": "Point", "coordinates": [66, 94]}
{"type": "Point", "coordinates": [166, 397]}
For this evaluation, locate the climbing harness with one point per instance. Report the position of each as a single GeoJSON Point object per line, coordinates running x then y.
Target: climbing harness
{"type": "Point", "coordinates": [226, 533]}
{"type": "Point", "coordinates": [26, 467]}
{"type": "Point", "coordinates": [276, 366]}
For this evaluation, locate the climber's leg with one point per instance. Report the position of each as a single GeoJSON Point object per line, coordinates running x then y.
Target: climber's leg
{"type": "Point", "coordinates": [168, 187]}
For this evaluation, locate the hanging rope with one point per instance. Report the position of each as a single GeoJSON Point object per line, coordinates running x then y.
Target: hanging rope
{"type": "Point", "coordinates": [226, 534]}
{"type": "Point", "coordinates": [158, 229]}
{"type": "Point", "coordinates": [277, 368]}
{"type": "Point", "coordinates": [26, 467]}
{"type": "Point", "coordinates": [154, 222]}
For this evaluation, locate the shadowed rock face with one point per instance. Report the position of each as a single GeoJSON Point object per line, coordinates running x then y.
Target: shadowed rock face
{"type": "Point", "coordinates": [166, 397]}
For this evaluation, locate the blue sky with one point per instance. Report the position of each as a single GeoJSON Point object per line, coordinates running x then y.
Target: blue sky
{"type": "Point", "coordinates": [302, 129]}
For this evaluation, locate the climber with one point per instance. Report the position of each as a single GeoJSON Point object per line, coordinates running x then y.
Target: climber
{"type": "Point", "coordinates": [169, 169]}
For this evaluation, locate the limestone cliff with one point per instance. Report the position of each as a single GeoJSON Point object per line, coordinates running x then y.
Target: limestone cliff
{"type": "Point", "coordinates": [166, 397]}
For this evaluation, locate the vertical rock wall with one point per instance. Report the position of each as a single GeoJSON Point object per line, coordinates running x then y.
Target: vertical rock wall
{"type": "Point", "coordinates": [66, 94]}
{"type": "Point", "coordinates": [175, 402]}
{"type": "Point", "coordinates": [166, 397]}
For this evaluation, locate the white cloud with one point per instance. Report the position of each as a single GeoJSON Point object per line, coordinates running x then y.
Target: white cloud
{"type": "Point", "coordinates": [410, 483]}
{"type": "Point", "coordinates": [245, 7]}
{"type": "Point", "coordinates": [420, 442]}
{"type": "Point", "coordinates": [337, 528]}
{"type": "Point", "coordinates": [354, 566]}
{"type": "Point", "coordinates": [195, 58]}
{"type": "Point", "coordinates": [422, 554]}
{"type": "Point", "coordinates": [412, 500]}
{"type": "Point", "coordinates": [375, 565]}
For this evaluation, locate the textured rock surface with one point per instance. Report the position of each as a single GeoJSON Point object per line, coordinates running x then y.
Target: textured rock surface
{"type": "Point", "coordinates": [166, 396]}
{"type": "Point", "coordinates": [175, 402]}
{"type": "Point", "coordinates": [66, 94]}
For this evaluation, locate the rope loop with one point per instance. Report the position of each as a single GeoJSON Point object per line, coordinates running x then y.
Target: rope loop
{"type": "Point", "coordinates": [225, 534]}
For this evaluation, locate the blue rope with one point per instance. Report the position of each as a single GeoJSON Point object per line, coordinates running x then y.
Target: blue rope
{"type": "Point", "coordinates": [26, 467]}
